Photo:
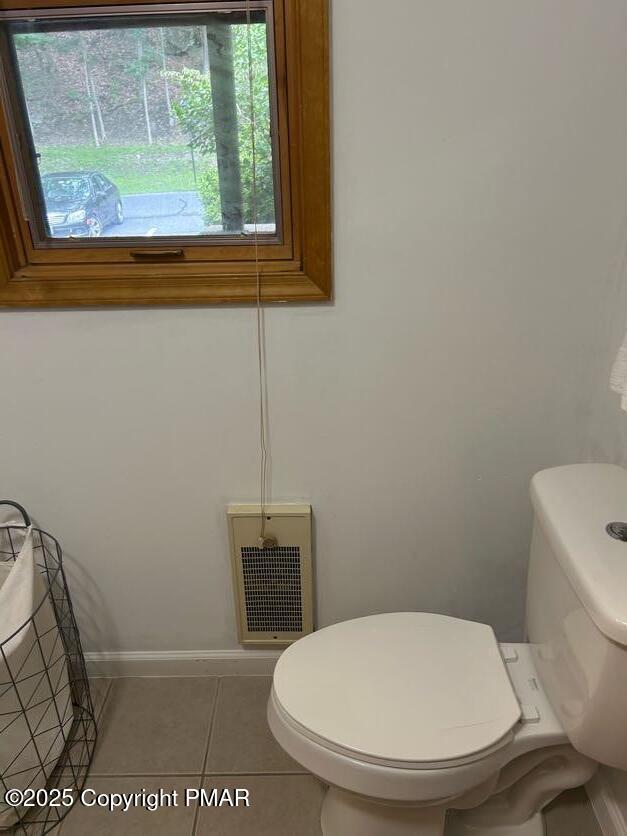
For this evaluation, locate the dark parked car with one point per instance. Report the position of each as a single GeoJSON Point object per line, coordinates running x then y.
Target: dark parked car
{"type": "Point", "coordinates": [81, 203]}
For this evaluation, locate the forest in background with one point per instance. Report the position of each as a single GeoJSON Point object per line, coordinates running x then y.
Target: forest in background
{"type": "Point", "coordinates": [137, 103]}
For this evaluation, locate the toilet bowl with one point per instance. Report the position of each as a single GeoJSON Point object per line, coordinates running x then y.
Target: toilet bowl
{"type": "Point", "coordinates": [424, 724]}
{"type": "Point", "coordinates": [398, 758]}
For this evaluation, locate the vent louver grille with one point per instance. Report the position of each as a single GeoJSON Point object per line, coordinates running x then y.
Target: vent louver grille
{"type": "Point", "coordinates": [272, 589]}
{"type": "Point", "coordinates": [273, 586]}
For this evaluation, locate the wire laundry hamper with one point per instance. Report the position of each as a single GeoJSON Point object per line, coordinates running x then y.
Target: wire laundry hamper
{"type": "Point", "coordinates": [74, 736]}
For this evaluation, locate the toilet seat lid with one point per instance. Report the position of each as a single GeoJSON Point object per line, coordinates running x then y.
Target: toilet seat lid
{"type": "Point", "coordinates": [399, 688]}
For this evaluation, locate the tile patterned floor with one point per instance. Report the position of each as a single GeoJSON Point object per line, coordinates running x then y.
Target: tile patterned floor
{"type": "Point", "coordinates": [210, 732]}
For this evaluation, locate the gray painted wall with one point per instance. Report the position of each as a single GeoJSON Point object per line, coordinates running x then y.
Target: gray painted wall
{"type": "Point", "coordinates": [480, 214]}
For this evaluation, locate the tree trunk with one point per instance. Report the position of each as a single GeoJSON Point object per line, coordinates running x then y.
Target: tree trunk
{"type": "Point", "coordinates": [220, 47]}
{"type": "Point", "coordinates": [90, 100]}
{"type": "Point", "coordinates": [168, 102]}
{"type": "Point", "coordinates": [205, 49]}
{"type": "Point", "coordinates": [146, 113]}
{"type": "Point", "coordinates": [144, 89]}
{"type": "Point", "coordinates": [96, 101]}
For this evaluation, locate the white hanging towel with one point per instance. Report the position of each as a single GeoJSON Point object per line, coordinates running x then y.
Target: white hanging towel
{"type": "Point", "coordinates": [35, 699]}
{"type": "Point", "coordinates": [618, 378]}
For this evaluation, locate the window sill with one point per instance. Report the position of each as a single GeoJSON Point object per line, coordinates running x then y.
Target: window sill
{"type": "Point", "coordinates": [152, 289]}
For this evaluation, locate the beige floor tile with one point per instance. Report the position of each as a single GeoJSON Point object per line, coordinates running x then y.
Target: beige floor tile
{"type": "Point", "coordinates": [99, 688]}
{"type": "Point", "coordinates": [36, 828]}
{"type": "Point", "coordinates": [280, 805]}
{"type": "Point", "coordinates": [571, 815]}
{"type": "Point", "coordinates": [155, 726]}
{"type": "Point", "coordinates": [166, 821]}
{"type": "Point", "coordinates": [241, 740]}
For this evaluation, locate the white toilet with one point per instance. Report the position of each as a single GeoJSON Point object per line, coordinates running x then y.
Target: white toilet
{"type": "Point", "coordinates": [423, 724]}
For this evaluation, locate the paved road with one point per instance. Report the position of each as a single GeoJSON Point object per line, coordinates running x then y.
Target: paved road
{"type": "Point", "coordinates": [165, 213]}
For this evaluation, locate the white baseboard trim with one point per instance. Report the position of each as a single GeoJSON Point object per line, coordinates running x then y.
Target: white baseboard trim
{"type": "Point", "coordinates": [182, 663]}
{"type": "Point", "coordinates": [606, 808]}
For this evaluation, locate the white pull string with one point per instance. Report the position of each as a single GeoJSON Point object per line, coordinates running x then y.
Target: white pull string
{"type": "Point", "coordinates": [261, 333]}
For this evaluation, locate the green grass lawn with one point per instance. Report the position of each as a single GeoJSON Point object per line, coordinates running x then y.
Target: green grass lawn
{"type": "Point", "coordinates": [133, 169]}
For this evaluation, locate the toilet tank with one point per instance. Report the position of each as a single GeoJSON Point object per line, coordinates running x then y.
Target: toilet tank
{"type": "Point", "coordinates": [577, 604]}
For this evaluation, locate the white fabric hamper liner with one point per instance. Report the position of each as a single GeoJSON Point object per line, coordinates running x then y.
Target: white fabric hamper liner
{"type": "Point", "coordinates": [35, 699]}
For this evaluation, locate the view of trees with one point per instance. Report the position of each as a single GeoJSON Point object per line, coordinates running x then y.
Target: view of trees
{"type": "Point", "coordinates": [180, 90]}
{"type": "Point", "coordinates": [196, 90]}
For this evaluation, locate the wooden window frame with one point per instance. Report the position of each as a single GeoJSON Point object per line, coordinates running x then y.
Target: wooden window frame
{"type": "Point", "coordinates": [295, 266]}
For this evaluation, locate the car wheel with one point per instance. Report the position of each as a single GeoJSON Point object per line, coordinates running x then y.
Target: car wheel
{"type": "Point", "coordinates": [119, 213]}
{"type": "Point", "coordinates": [94, 226]}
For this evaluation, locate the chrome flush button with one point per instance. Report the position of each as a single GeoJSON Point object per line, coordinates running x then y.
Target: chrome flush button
{"type": "Point", "coordinates": [617, 530]}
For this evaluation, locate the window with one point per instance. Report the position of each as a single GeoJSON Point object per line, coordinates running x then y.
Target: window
{"type": "Point", "coordinates": [127, 135]}
{"type": "Point", "coordinates": [158, 111]}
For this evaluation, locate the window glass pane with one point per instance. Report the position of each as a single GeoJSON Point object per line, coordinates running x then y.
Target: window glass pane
{"type": "Point", "coordinates": [142, 127]}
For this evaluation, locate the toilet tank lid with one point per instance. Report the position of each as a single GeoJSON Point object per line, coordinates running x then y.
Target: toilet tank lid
{"type": "Point", "coordinates": [574, 504]}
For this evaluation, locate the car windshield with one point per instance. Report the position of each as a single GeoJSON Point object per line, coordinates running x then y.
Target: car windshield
{"type": "Point", "coordinates": [66, 189]}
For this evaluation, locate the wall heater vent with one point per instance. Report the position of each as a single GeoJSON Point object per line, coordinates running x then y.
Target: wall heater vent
{"type": "Point", "coordinates": [273, 586]}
